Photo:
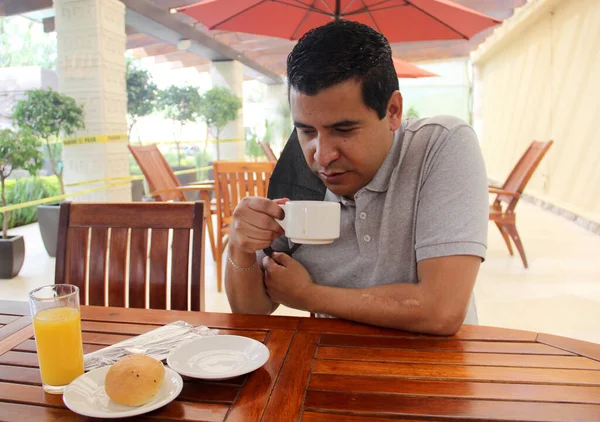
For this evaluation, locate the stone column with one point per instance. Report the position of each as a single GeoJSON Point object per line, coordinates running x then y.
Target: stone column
{"type": "Point", "coordinates": [91, 69]}
{"type": "Point", "coordinates": [276, 99]}
{"type": "Point", "coordinates": [232, 138]}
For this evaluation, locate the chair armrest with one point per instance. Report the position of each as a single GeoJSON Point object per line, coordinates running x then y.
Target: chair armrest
{"type": "Point", "coordinates": [201, 188]}
{"type": "Point", "coordinates": [201, 182]}
{"type": "Point", "coordinates": [500, 191]}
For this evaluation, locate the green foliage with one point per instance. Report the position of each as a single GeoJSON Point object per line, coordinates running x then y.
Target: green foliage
{"type": "Point", "coordinates": [141, 93]}
{"type": "Point", "coordinates": [18, 150]}
{"type": "Point", "coordinates": [180, 103]}
{"type": "Point", "coordinates": [218, 107]}
{"type": "Point", "coordinates": [253, 148]}
{"type": "Point", "coordinates": [50, 115]}
{"type": "Point", "coordinates": [26, 190]}
{"type": "Point", "coordinates": [24, 43]}
{"type": "Point", "coordinates": [412, 112]}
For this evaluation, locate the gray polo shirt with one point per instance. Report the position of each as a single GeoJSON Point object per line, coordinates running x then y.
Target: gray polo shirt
{"type": "Point", "coordinates": [429, 199]}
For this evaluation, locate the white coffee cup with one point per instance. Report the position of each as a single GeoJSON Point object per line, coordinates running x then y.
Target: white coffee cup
{"type": "Point", "coordinates": [311, 222]}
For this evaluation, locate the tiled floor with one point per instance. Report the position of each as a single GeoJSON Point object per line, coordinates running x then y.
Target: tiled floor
{"type": "Point", "coordinates": [558, 294]}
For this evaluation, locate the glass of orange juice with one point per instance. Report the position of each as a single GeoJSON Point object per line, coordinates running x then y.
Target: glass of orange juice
{"type": "Point", "coordinates": [57, 327]}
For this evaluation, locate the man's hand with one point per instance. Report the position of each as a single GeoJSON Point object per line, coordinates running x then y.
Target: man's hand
{"type": "Point", "coordinates": [253, 226]}
{"type": "Point", "coordinates": [288, 282]}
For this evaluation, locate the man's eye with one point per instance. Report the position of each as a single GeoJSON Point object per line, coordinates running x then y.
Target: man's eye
{"type": "Point", "coordinates": [344, 130]}
{"type": "Point", "coordinates": [306, 131]}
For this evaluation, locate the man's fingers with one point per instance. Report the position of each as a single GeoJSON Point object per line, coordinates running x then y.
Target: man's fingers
{"type": "Point", "coordinates": [282, 259]}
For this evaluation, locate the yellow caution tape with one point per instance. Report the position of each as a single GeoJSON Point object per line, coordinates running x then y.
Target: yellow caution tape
{"type": "Point", "coordinates": [59, 197]}
{"type": "Point", "coordinates": [132, 178]}
{"type": "Point", "coordinates": [99, 139]}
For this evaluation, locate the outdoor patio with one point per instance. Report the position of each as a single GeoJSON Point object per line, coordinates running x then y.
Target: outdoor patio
{"type": "Point", "coordinates": [558, 294]}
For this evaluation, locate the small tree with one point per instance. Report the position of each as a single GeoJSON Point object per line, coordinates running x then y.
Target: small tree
{"type": "Point", "coordinates": [17, 150]}
{"type": "Point", "coordinates": [141, 95]}
{"type": "Point", "coordinates": [180, 104]}
{"type": "Point", "coordinates": [48, 115]}
{"type": "Point", "coordinates": [218, 107]}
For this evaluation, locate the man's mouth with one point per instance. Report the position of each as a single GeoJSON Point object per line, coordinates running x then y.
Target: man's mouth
{"type": "Point", "coordinates": [332, 177]}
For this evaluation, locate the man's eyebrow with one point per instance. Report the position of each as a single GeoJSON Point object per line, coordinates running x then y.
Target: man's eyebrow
{"type": "Point", "coordinates": [302, 125]}
{"type": "Point", "coordinates": [341, 123]}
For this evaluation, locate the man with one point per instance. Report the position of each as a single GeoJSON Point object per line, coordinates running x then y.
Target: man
{"type": "Point", "coordinates": [413, 196]}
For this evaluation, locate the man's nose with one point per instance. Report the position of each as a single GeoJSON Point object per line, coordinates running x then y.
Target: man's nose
{"type": "Point", "coordinates": [326, 152]}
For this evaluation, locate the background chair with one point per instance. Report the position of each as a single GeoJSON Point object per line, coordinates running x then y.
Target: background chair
{"type": "Point", "coordinates": [233, 181]}
{"type": "Point", "coordinates": [268, 151]}
{"type": "Point", "coordinates": [118, 254]}
{"type": "Point", "coordinates": [164, 185]}
{"type": "Point", "coordinates": [502, 210]}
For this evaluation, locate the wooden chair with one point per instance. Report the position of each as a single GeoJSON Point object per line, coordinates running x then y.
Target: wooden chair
{"type": "Point", "coordinates": [502, 210]}
{"type": "Point", "coordinates": [233, 181]}
{"type": "Point", "coordinates": [118, 254]}
{"type": "Point", "coordinates": [268, 151]}
{"type": "Point", "coordinates": [164, 185]}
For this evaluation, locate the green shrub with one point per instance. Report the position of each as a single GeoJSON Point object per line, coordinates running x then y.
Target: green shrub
{"type": "Point", "coordinates": [25, 190]}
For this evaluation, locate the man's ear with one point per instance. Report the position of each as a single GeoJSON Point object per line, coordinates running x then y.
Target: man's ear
{"type": "Point", "coordinates": [394, 110]}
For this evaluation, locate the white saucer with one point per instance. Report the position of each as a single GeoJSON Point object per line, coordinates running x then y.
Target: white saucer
{"type": "Point", "coordinates": [218, 357]}
{"type": "Point", "coordinates": [86, 396]}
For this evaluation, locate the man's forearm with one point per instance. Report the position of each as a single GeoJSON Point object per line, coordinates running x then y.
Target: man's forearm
{"type": "Point", "coordinates": [398, 305]}
{"type": "Point", "coordinates": [245, 289]}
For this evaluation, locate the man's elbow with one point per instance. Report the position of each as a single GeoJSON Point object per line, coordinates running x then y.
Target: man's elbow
{"type": "Point", "coordinates": [446, 323]}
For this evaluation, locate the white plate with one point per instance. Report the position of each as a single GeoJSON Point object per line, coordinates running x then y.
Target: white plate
{"type": "Point", "coordinates": [87, 397]}
{"type": "Point", "coordinates": [218, 357]}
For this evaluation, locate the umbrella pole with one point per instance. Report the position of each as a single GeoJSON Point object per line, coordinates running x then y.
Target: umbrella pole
{"type": "Point", "coordinates": [338, 7]}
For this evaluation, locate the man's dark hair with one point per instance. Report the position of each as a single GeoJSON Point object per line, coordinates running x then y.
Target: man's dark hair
{"type": "Point", "coordinates": [340, 51]}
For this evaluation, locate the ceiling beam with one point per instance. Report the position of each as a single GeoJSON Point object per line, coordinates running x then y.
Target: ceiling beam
{"type": "Point", "coordinates": [18, 7]}
{"type": "Point", "coordinates": [147, 17]}
{"type": "Point", "coordinates": [50, 26]}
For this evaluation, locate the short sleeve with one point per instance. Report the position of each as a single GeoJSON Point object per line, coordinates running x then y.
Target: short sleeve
{"type": "Point", "coordinates": [453, 209]}
{"type": "Point", "coordinates": [279, 244]}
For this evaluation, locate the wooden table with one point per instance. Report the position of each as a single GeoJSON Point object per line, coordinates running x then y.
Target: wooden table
{"type": "Point", "coordinates": [331, 370]}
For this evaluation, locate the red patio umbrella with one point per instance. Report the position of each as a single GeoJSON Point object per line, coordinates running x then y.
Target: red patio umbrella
{"type": "Point", "coordinates": [398, 20]}
{"type": "Point", "coordinates": [408, 70]}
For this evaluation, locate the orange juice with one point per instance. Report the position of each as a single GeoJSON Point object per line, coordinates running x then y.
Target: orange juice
{"type": "Point", "coordinates": [59, 346]}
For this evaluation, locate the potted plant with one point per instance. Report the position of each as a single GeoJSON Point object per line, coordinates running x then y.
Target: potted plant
{"type": "Point", "coordinates": [48, 115]}
{"type": "Point", "coordinates": [18, 150]}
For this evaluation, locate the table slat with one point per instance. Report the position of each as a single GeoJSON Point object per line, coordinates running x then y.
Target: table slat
{"type": "Point", "coordinates": [583, 348]}
{"type": "Point", "coordinates": [286, 401]}
{"type": "Point", "coordinates": [253, 398]}
{"type": "Point", "coordinates": [459, 389]}
{"type": "Point", "coordinates": [429, 344]}
{"type": "Point", "coordinates": [492, 410]}
{"type": "Point", "coordinates": [472, 373]}
{"type": "Point", "coordinates": [216, 320]}
{"type": "Point", "coordinates": [457, 358]}
{"type": "Point", "coordinates": [467, 332]}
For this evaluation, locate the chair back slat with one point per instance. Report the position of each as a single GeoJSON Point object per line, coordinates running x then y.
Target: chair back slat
{"type": "Point", "coordinates": [522, 172]}
{"type": "Point", "coordinates": [98, 250]}
{"type": "Point", "coordinates": [158, 173]}
{"type": "Point", "coordinates": [138, 258]}
{"type": "Point", "coordinates": [124, 261]}
{"type": "Point", "coordinates": [77, 265]}
{"type": "Point", "coordinates": [159, 243]}
{"type": "Point", "coordinates": [236, 180]}
{"type": "Point", "coordinates": [197, 289]}
{"type": "Point", "coordinates": [117, 267]}
{"type": "Point", "coordinates": [179, 269]}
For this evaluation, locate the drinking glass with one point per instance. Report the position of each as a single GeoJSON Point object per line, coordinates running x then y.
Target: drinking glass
{"type": "Point", "coordinates": [57, 327]}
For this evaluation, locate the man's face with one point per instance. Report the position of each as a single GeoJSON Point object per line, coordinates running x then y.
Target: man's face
{"type": "Point", "coordinates": [343, 141]}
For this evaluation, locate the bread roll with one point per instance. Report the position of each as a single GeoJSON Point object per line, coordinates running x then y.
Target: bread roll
{"type": "Point", "coordinates": [134, 380]}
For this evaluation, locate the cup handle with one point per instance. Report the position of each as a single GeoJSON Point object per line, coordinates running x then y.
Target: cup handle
{"type": "Point", "coordinates": [281, 222]}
